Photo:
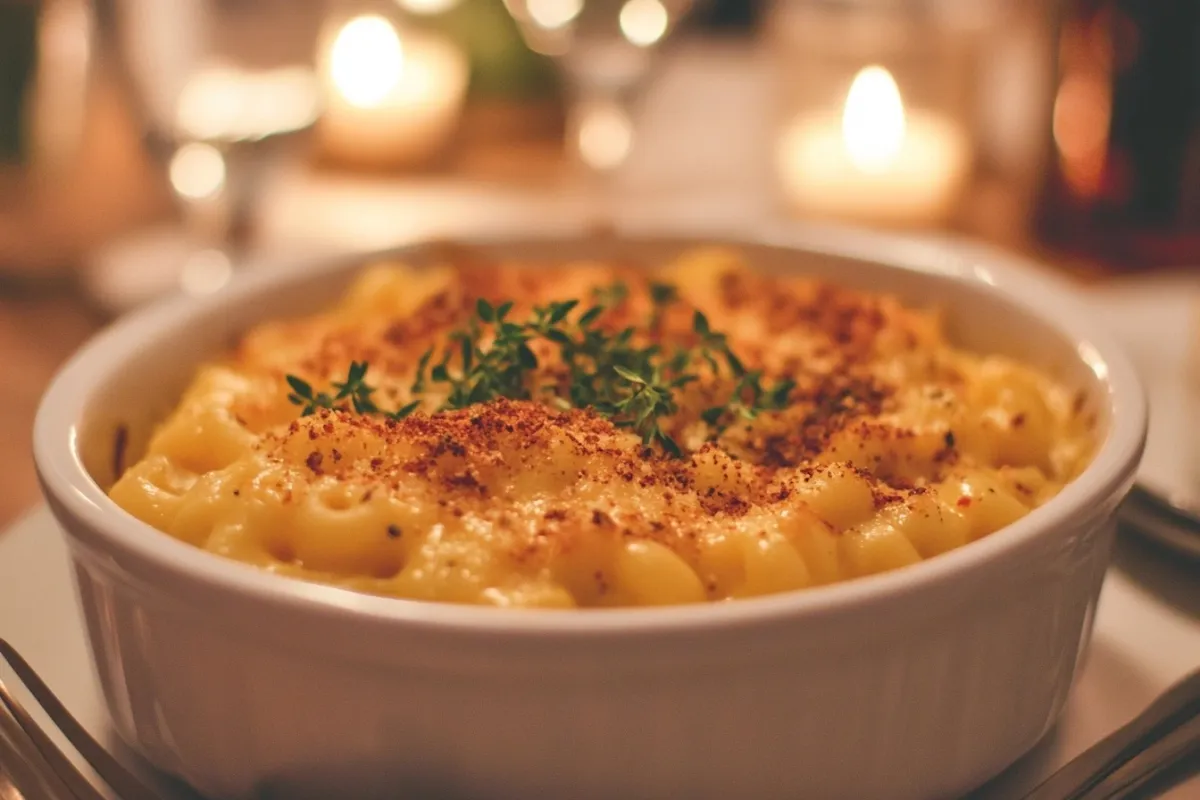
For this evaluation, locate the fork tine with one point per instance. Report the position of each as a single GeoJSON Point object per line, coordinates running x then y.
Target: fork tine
{"type": "Point", "coordinates": [20, 774]}
{"type": "Point", "coordinates": [32, 776]}
{"type": "Point", "coordinates": [122, 781]}
{"type": "Point", "coordinates": [8, 789]}
{"type": "Point", "coordinates": [54, 758]}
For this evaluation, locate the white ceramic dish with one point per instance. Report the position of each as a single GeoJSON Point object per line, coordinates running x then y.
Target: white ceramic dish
{"type": "Point", "coordinates": [920, 683]}
{"type": "Point", "coordinates": [1145, 640]}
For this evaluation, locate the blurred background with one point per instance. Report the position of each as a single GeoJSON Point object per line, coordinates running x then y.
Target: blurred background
{"type": "Point", "coordinates": [159, 146]}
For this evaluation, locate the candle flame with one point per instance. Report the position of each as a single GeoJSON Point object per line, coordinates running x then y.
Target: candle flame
{"type": "Point", "coordinates": [873, 120]}
{"type": "Point", "coordinates": [366, 60]}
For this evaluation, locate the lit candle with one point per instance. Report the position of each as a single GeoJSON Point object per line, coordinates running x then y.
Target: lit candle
{"type": "Point", "coordinates": [391, 99]}
{"type": "Point", "coordinates": [876, 161]}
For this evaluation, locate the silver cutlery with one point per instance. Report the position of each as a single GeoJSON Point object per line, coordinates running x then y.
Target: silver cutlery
{"type": "Point", "coordinates": [32, 759]}
{"type": "Point", "coordinates": [1172, 749]}
{"type": "Point", "coordinates": [1157, 740]}
{"type": "Point", "coordinates": [1168, 523]}
{"type": "Point", "coordinates": [8, 790]}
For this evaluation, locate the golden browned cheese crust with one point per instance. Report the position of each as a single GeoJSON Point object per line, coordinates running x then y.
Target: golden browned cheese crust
{"type": "Point", "coordinates": [894, 446]}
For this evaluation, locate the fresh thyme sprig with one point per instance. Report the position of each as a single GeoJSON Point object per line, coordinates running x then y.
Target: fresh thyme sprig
{"type": "Point", "coordinates": [749, 397]}
{"type": "Point", "coordinates": [635, 386]}
{"type": "Point", "coordinates": [354, 388]}
{"type": "Point", "coordinates": [484, 374]}
{"type": "Point", "coordinates": [648, 400]}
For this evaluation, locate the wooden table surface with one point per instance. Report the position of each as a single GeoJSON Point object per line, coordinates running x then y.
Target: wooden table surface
{"type": "Point", "coordinates": [37, 333]}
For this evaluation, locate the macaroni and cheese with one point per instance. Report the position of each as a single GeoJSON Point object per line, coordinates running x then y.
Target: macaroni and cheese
{"type": "Point", "coordinates": [792, 434]}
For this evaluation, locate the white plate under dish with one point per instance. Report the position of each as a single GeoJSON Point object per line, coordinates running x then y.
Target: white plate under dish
{"type": "Point", "coordinates": [1144, 641]}
{"type": "Point", "coordinates": [1157, 318]}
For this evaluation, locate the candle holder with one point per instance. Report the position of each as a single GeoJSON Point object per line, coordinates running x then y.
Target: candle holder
{"type": "Point", "coordinates": [393, 89]}
{"type": "Point", "coordinates": [875, 105]}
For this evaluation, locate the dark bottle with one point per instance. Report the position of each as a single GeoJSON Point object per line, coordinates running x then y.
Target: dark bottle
{"type": "Point", "coordinates": [1123, 182]}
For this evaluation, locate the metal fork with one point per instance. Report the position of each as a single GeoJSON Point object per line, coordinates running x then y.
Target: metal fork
{"type": "Point", "coordinates": [36, 767]}
{"type": "Point", "coordinates": [1164, 736]}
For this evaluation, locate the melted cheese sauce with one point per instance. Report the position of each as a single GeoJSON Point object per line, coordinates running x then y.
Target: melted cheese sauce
{"type": "Point", "coordinates": [894, 446]}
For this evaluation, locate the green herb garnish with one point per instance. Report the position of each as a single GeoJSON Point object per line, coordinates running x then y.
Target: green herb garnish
{"type": "Point", "coordinates": [354, 388]}
{"type": "Point", "coordinates": [635, 386]}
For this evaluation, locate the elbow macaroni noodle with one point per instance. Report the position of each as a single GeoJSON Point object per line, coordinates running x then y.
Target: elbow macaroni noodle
{"type": "Point", "coordinates": [894, 448]}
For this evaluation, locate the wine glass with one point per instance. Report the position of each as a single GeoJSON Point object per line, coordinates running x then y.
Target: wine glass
{"type": "Point", "coordinates": [216, 84]}
{"type": "Point", "coordinates": [604, 50]}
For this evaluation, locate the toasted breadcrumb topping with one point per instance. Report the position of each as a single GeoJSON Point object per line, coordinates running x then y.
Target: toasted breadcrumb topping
{"type": "Point", "coordinates": [881, 403]}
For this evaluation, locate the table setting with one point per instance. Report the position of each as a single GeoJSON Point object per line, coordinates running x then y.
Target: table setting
{"type": "Point", "coordinates": [187, 172]}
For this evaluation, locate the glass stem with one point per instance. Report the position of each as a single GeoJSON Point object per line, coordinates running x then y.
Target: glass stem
{"type": "Point", "coordinates": [214, 189]}
{"type": "Point", "coordinates": [600, 138]}
{"type": "Point", "coordinates": [207, 185]}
